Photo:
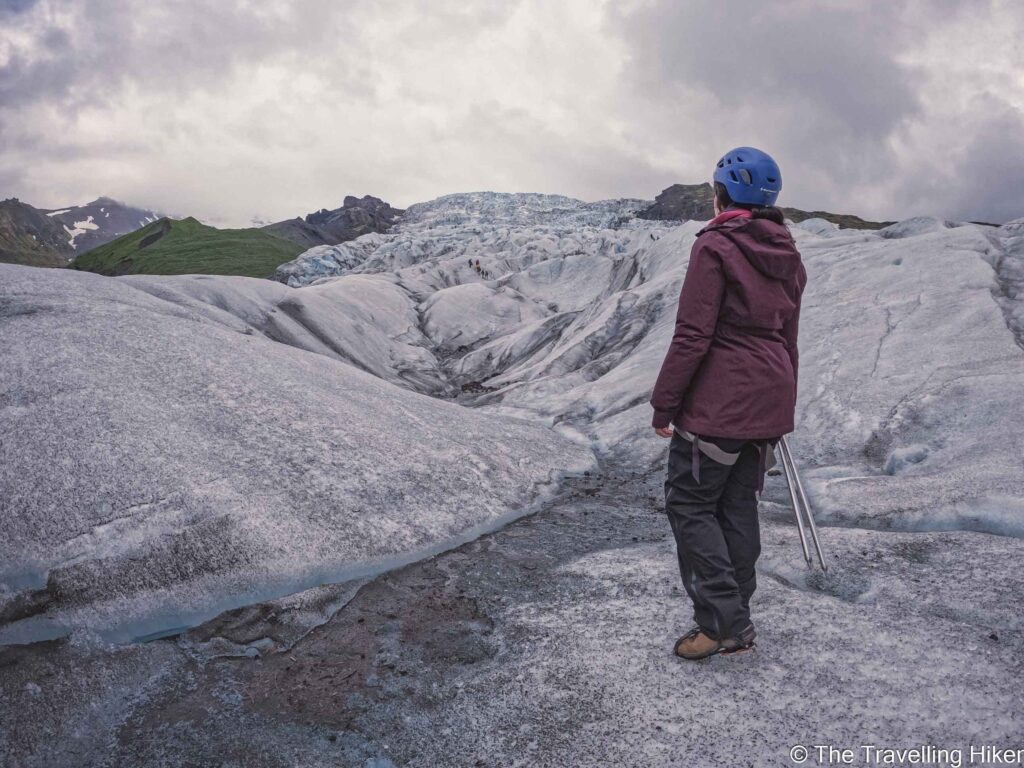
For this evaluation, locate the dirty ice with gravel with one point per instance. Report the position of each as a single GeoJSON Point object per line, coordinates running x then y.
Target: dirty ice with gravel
{"type": "Point", "coordinates": [172, 448]}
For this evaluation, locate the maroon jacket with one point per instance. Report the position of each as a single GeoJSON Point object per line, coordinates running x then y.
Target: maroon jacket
{"type": "Point", "coordinates": [732, 366]}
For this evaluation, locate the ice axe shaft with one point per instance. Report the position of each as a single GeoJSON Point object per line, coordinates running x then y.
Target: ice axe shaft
{"type": "Point", "coordinates": [791, 484]}
{"type": "Point", "coordinates": [801, 507]}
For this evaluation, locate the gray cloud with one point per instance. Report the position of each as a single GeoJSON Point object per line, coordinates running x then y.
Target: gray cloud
{"type": "Point", "coordinates": [10, 7]}
{"type": "Point", "coordinates": [857, 100]}
{"type": "Point", "coordinates": [240, 108]}
{"type": "Point", "coordinates": [819, 85]}
{"type": "Point", "coordinates": [835, 64]}
{"type": "Point", "coordinates": [983, 179]}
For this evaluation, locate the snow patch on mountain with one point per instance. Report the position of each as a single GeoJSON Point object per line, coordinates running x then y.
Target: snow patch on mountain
{"type": "Point", "coordinates": [80, 228]}
{"type": "Point", "coordinates": [100, 221]}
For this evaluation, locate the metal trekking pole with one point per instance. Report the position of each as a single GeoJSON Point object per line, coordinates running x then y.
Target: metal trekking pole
{"type": "Point", "coordinates": [791, 484]}
{"type": "Point", "coordinates": [801, 507]}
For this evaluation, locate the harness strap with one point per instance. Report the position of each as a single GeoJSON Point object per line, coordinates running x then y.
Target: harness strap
{"type": "Point", "coordinates": [709, 449]}
{"type": "Point", "coordinates": [766, 460]}
{"type": "Point", "coordinates": [762, 446]}
{"type": "Point", "coordinates": [765, 456]}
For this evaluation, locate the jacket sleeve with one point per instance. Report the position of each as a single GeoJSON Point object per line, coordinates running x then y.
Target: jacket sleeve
{"type": "Point", "coordinates": [791, 329]}
{"type": "Point", "coordinates": [696, 317]}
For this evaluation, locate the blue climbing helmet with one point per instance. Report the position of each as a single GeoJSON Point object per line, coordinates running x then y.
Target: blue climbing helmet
{"type": "Point", "coordinates": [750, 176]}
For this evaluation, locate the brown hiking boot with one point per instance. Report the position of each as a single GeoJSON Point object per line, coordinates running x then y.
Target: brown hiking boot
{"type": "Point", "coordinates": [696, 645]}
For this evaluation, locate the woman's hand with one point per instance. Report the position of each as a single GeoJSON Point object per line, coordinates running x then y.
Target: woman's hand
{"type": "Point", "coordinates": [663, 431]}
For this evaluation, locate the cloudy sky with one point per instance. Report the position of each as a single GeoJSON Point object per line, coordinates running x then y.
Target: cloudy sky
{"type": "Point", "coordinates": [234, 110]}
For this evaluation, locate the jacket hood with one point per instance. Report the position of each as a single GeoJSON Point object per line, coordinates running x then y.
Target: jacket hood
{"type": "Point", "coordinates": [768, 246]}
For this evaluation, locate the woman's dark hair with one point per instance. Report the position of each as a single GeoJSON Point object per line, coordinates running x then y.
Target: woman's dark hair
{"type": "Point", "coordinates": [769, 212]}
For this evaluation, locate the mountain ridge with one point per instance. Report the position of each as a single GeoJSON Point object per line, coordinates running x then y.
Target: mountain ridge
{"type": "Point", "coordinates": [356, 217]}
{"type": "Point", "coordinates": [681, 202]}
{"type": "Point", "coordinates": [187, 246]}
{"type": "Point", "coordinates": [100, 221]}
{"type": "Point", "coordinates": [31, 238]}
{"type": "Point", "coordinates": [53, 237]}
{"type": "Point", "coordinates": [26, 238]}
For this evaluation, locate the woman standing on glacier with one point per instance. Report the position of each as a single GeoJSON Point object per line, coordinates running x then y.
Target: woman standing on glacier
{"type": "Point", "coordinates": [726, 393]}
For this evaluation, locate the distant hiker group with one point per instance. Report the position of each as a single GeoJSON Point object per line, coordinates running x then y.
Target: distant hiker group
{"type": "Point", "coordinates": [482, 272]}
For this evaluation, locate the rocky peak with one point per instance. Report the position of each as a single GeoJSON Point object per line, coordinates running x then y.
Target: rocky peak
{"type": "Point", "coordinates": [357, 216]}
{"type": "Point", "coordinates": [681, 202]}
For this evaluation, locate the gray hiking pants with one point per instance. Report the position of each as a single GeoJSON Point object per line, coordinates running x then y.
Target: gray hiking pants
{"type": "Point", "coordinates": [714, 520]}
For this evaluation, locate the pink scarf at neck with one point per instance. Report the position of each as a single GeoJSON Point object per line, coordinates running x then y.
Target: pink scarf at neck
{"type": "Point", "coordinates": [732, 213]}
